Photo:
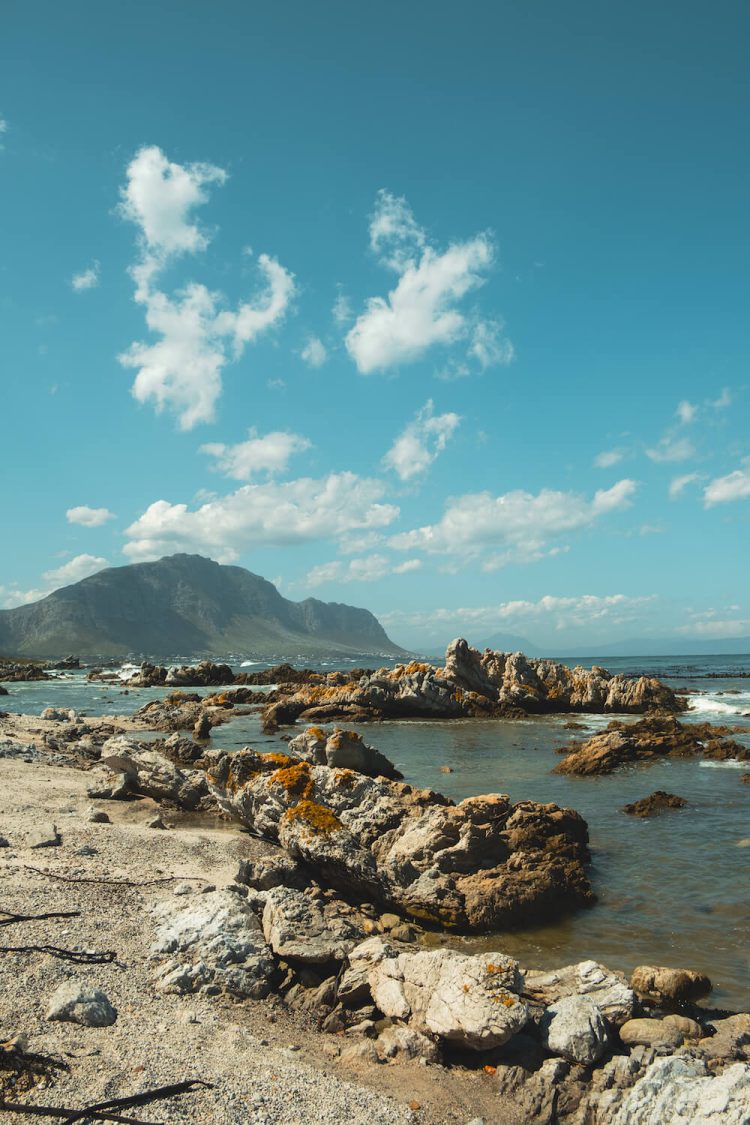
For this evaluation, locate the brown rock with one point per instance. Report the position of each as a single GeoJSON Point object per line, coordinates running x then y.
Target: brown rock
{"type": "Point", "coordinates": [646, 741]}
{"type": "Point", "coordinates": [673, 986]}
{"type": "Point", "coordinates": [654, 804]}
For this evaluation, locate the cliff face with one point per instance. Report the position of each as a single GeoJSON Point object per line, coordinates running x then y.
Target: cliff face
{"type": "Point", "coordinates": [185, 604]}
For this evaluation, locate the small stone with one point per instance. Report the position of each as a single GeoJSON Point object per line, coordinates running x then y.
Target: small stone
{"type": "Point", "coordinates": [359, 1052]}
{"type": "Point", "coordinates": [97, 816]}
{"type": "Point", "coordinates": [183, 889]}
{"type": "Point", "coordinates": [188, 1017]}
{"type": "Point", "coordinates": [86, 850]}
{"type": "Point", "coordinates": [76, 1002]}
{"type": "Point", "coordinates": [4, 843]}
{"type": "Point", "coordinates": [403, 932]}
{"type": "Point", "coordinates": [155, 822]}
{"type": "Point", "coordinates": [46, 836]}
{"type": "Point", "coordinates": [446, 769]}
{"type": "Point", "coordinates": [389, 921]}
{"type": "Point", "coordinates": [208, 888]}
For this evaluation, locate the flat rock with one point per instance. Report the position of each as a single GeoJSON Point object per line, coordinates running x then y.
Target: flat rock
{"type": "Point", "coordinates": [651, 1033]}
{"type": "Point", "coordinates": [731, 1038]}
{"type": "Point", "coordinates": [675, 986]}
{"type": "Point", "coordinates": [607, 988]}
{"type": "Point", "coordinates": [213, 940]}
{"type": "Point", "coordinates": [575, 1028]}
{"type": "Point", "coordinates": [45, 836]}
{"type": "Point", "coordinates": [403, 1042]}
{"type": "Point", "coordinates": [77, 1002]}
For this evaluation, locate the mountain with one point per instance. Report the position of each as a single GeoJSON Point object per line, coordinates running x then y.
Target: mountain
{"type": "Point", "coordinates": [665, 646]}
{"type": "Point", "coordinates": [511, 642]}
{"type": "Point", "coordinates": [186, 605]}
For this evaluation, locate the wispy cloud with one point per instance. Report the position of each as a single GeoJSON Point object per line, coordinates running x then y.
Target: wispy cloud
{"type": "Point", "coordinates": [422, 311]}
{"type": "Point", "coordinates": [197, 334]}
{"type": "Point", "coordinates": [89, 517]}
{"type": "Point", "coordinates": [269, 453]}
{"type": "Point", "coordinates": [420, 443]}
{"type": "Point", "coordinates": [608, 457]}
{"type": "Point", "coordinates": [368, 569]}
{"type": "Point", "coordinates": [314, 352]}
{"type": "Point", "coordinates": [678, 484]}
{"type": "Point", "coordinates": [87, 279]}
{"type": "Point", "coordinates": [733, 486]}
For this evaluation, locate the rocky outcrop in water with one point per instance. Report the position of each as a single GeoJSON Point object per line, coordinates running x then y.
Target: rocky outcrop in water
{"type": "Point", "coordinates": [647, 741]}
{"type": "Point", "coordinates": [473, 684]}
{"type": "Point", "coordinates": [655, 803]}
{"type": "Point", "coordinates": [482, 864]}
{"type": "Point", "coordinates": [12, 672]}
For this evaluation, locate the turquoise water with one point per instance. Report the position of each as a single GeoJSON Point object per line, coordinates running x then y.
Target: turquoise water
{"type": "Point", "coordinates": [672, 889]}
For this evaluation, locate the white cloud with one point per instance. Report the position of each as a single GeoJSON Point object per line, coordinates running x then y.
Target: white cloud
{"type": "Point", "coordinates": [11, 596]}
{"type": "Point", "coordinates": [678, 484]}
{"type": "Point", "coordinates": [270, 453]}
{"type": "Point", "coordinates": [342, 309]}
{"type": "Point", "coordinates": [672, 448]}
{"type": "Point", "coordinates": [608, 457]}
{"type": "Point", "coordinates": [734, 486]}
{"type": "Point", "coordinates": [198, 335]}
{"type": "Point", "coordinates": [423, 439]}
{"type": "Point", "coordinates": [76, 569]}
{"type": "Point", "coordinates": [357, 544]}
{"type": "Point", "coordinates": [256, 515]}
{"type": "Point", "coordinates": [368, 569]}
{"type": "Point", "coordinates": [314, 352]}
{"type": "Point", "coordinates": [686, 412]}
{"type": "Point", "coordinates": [560, 612]}
{"type": "Point", "coordinates": [521, 522]}
{"type": "Point", "coordinates": [3, 130]}
{"type": "Point", "coordinates": [421, 311]}
{"type": "Point", "coordinates": [723, 401]}
{"type": "Point", "coordinates": [87, 279]}
{"type": "Point", "coordinates": [714, 629]}
{"type": "Point", "coordinates": [89, 517]}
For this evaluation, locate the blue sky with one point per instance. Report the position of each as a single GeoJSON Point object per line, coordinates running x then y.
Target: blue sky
{"type": "Point", "coordinates": [436, 309]}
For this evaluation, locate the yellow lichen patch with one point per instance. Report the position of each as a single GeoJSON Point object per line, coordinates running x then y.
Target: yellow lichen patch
{"type": "Point", "coordinates": [279, 759]}
{"type": "Point", "coordinates": [175, 698]}
{"type": "Point", "coordinates": [346, 778]}
{"type": "Point", "coordinates": [295, 779]}
{"type": "Point", "coordinates": [317, 733]}
{"type": "Point", "coordinates": [466, 988]}
{"type": "Point", "coordinates": [318, 818]}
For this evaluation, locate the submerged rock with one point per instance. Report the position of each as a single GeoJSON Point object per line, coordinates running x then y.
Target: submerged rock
{"type": "Point", "coordinates": [481, 864]}
{"type": "Point", "coordinates": [655, 803]}
{"type": "Point", "coordinates": [473, 684]}
{"type": "Point", "coordinates": [646, 741]}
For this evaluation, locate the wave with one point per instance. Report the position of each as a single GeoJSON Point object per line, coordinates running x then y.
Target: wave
{"type": "Point", "coordinates": [710, 704]}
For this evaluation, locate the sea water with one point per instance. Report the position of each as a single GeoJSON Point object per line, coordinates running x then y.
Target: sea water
{"type": "Point", "coordinates": [672, 889]}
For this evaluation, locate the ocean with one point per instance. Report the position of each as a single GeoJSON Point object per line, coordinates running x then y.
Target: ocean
{"type": "Point", "coordinates": [672, 890]}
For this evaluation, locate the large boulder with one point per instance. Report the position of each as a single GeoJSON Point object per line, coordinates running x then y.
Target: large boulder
{"type": "Point", "coordinates": [609, 990]}
{"type": "Point", "coordinates": [669, 986]}
{"type": "Point", "coordinates": [472, 1001]}
{"type": "Point", "coordinates": [214, 941]}
{"type": "Point", "coordinates": [307, 927]}
{"type": "Point", "coordinates": [481, 864]}
{"type": "Point", "coordinates": [575, 1028]}
{"type": "Point", "coordinates": [128, 768]}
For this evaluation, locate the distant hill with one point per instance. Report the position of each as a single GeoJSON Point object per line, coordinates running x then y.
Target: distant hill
{"type": "Point", "coordinates": [511, 642]}
{"type": "Point", "coordinates": [186, 605]}
{"type": "Point", "coordinates": [666, 646]}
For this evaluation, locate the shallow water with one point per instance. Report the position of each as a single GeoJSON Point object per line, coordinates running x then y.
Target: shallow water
{"type": "Point", "coordinates": [672, 889]}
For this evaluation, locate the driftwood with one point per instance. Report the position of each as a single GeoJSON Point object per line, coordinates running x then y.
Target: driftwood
{"type": "Point", "coordinates": [80, 957]}
{"type": "Point", "coordinates": [114, 882]}
{"type": "Point", "coordinates": [12, 918]}
{"type": "Point", "coordinates": [100, 1110]}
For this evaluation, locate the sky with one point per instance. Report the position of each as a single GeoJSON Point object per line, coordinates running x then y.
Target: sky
{"type": "Point", "coordinates": [437, 309]}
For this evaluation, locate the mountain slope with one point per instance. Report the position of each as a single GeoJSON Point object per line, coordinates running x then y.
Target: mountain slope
{"type": "Point", "coordinates": [185, 604]}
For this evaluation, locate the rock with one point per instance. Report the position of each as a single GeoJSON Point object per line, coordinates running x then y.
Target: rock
{"type": "Point", "coordinates": [183, 751]}
{"type": "Point", "coordinates": [403, 933]}
{"type": "Point", "coordinates": [358, 1053]}
{"type": "Point", "coordinates": [655, 803]}
{"type": "Point", "coordinates": [97, 816]}
{"type": "Point", "coordinates": [305, 927]}
{"type": "Point", "coordinates": [673, 986]}
{"type": "Point", "coordinates": [574, 1027]}
{"type": "Point", "coordinates": [731, 1038]}
{"type": "Point", "coordinates": [45, 836]}
{"type": "Point", "coordinates": [128, 768]}
{"type": "Point", "coordinates": [156, 822]}
{"type": "Point", "coordinates": [389, 921]}
{"type": "Point", "coordinates": [4, 843]}
{"type": "Point", "coordinates": [77, 1002]}
{"type": "Point", "coordinates": [59, 715]}
{"type": "Point", "coordinates": [472, 1001]}
{"type": "Point", "coordinates": [481, 864]}
{"type": "Point", "coordinates": [399, 1041]}
{"type": "Point", "coordinates": [680, 1089]}
{"type": "Point", "coordinates": [646, 741]}
{"type": "Point", "coordinates": [651, 1033]}
{"type": "Point", "coordinates": [278, 870]}
{"type": "Point", "coordinates": [202, 728]}
{"type": "Point", "coordinates": [18, 673]}
{"type": "Point", "coordinates": [213, 942]}
{"type": "Point", "coordinates": [691, 1029]}
{"type": "Point", "coordinates": [608, 989]}
{"type": "Point", "coordinates": [343, 749]}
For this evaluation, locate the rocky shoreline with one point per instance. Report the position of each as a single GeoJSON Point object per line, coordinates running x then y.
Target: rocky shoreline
{"type": "Point", "coordinates": [305, 953]}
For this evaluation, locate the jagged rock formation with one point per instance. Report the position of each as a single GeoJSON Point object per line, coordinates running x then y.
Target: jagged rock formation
{"type": "Point", "coordinates": [185, 603]}
{"type": "Point", "coordinates": [473, 684]}
{"type": "Point", "coordinates": [646, 741]}
{"type": "Point", "coordinates": [482, 864]}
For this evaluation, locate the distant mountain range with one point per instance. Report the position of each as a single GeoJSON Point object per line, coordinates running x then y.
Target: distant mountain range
{"type": "Point", "coordinates": [636, 646]}
{"type": "Point", "coordinates": [186, 605]}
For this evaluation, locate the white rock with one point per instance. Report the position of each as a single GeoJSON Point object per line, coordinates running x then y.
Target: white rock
{"type": "Point", "coordinates": [611, 991]}
{"type": "Point", "coordinates": [77, 1002]}
{"type": "Point", "coordinates": [680, 1091]}
{"type": "Point", "coordinates": [305, 927]}
{"type": "Point", "coordinates": [406, 1042]}
{"type": "Point", "coordinates": [575, 1028]}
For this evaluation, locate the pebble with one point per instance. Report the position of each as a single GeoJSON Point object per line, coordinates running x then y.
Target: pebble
{"type": "Point", "coordinates": [97, 816]}
{"type": "Point", "coordinates": [155, 822]}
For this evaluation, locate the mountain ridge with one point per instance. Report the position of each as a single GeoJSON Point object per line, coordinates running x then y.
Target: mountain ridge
{"type": "Point", "coordinates": [186, 604]}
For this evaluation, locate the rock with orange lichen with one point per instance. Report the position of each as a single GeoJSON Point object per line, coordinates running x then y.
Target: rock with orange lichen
{"type": "Point", "coordinates": [473, 683]}
{"type": "Point", "coordinates": [482, 864]}
{"type": "Point", "coordinates": [342, 749]}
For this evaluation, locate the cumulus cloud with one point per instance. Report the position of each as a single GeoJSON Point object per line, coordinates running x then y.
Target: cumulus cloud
{"type": "Point", "coordinates": [522, 523]}
{"type": "Point", "coordinates": [269, 453]}
{"type": "Point", "coordinates": [86, 279]}
{"type": "Point", "coordinates": [608, 457]}
{"type": "Point", "coordinates": [678, 484]}
{"type": "Point", "coordinates": [368, 569]}
{"type": "Point", "coordinates": [198, 334]}
{"type": "Point", "coordinates": [12, 595]}
{"type": "Point", "coordinates": [89, 517]}
{"type": "Point", "coordinates": [734, 486]}
{"type": "Point", "coordinates": [560, 612]}
{"type": "Point", "coordinates": [314, 352]}
{"type": "Point", "coordinates": [76, 569]}
{"type": "Point", "coordinates": [278, 514]}
{"type": "Point", "coordinates": [422, 310]}
{"type": "Point", "coordinates": [423, 439]}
